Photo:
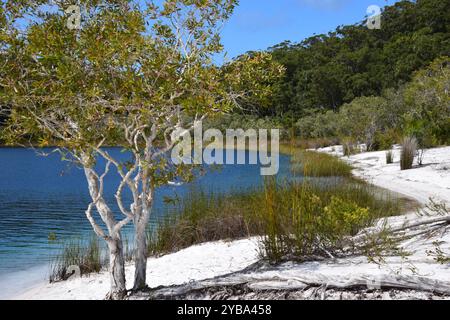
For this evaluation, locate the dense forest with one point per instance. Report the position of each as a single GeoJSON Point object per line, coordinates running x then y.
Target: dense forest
{"type": "Point", "coordinates": [328, 70]}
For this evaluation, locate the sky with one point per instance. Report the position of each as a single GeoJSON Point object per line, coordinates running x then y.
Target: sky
{"type": "Point", "coordinates": [259, 24]}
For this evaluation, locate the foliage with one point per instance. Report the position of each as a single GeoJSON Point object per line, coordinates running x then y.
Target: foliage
{"type": "Point", "coordinates": [428, 94]}
{"type": "Point", "coordinates": [419, 109]}
{"type": "Point", "coordinates": [304, 221]}
{"type": "Point", "coordinates": [318, 125]}
{"type": "Point", "coordinates": [361, 119]}
{"type": "Point", "coordinates": [344, 217]}
{"type": "Point", "coordinates": [326, 71]}
{"type": "Point", "coordinates": [245, 122]}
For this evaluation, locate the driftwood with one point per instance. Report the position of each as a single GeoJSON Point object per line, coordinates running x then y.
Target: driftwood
{"type": "Point", "coordinates": [405, 231]}
{"type": "Point", "coordinates": [440, 220]}
{"type": "Point", "coordinates": [265, 281]}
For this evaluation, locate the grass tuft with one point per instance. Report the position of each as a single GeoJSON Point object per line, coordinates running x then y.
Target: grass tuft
{"type": "Point", "coordinates": [202, 217]}
{"type": "Point", "coordinates": [316, 164]}
{"type": "Point", "coordinates": [89, 256]}
{"type": "Point", "coordinates": [409, 148]}
{"type": "Point", "coordinates": [389, 157]}
{"type": "Point", "coordinates": [312, 220]}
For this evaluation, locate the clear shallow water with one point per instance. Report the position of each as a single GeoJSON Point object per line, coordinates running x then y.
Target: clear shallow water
{"type": "Point", "coordinates": [44, 195]}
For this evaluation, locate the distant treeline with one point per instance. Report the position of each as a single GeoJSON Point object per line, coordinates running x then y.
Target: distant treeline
{"type": "Point", "coordinates": [327, 70]}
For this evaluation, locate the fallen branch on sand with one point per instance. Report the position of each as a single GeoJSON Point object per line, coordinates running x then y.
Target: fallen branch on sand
{"type": "Point", "coordinates": [239, 283]}
{"type": "Point", "coordinates": [410, 229]}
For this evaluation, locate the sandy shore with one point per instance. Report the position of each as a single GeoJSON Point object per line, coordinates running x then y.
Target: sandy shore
{"type": "Point", "coordinates": [432, 180]}
{"type": "Point", "coordinates": [220, 258]}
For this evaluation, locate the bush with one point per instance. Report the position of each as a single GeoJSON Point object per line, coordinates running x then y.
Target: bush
{"type": "Point", "coordinates": [385, 140]}
{"type": "Point", "coordinates": [409, 148]}
{"type": "Point", "coordinates": [428, 117]}
{"type": "Point", "coordinates": [343, 217]}
{"type": "Point", "coordinates": [361, 119]}
{"type": "Point", "coordinates": [349, 147]}
{"type": "Point", "coordinates": [304, 221]}
{"type": "Point", "coordinates": [318, 125]}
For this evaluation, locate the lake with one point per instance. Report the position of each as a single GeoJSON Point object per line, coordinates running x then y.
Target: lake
{"type": "Point", "coordinates": [40, 196]}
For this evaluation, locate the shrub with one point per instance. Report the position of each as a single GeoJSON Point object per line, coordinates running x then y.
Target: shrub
{"type": "Point", "coordinates": [409, 148]}
{"type": "Point", "coordinates": [318, 125]}
{"type": "Point", "coordinates": [348, 147]}
{"type": "Point", "coordinates": [361, 119]}
{"type": "Point", "coordinates": [342, 217]}
{"type": "Point", "coordinates": [385, 140]}
{"type": "Point", "coordinates": [305, 221]}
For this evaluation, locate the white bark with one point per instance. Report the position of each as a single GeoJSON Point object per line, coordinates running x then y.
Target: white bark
{"type": "Point", "coordinates": [140, 254]}
{"type": "Point", "coordinates": [113, 237]}
{"type": "Point", "coordinates": [118, 289]}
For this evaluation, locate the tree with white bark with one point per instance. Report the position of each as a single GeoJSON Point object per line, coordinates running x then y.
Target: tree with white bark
{"type": "Point", "coordinates": [131, 74]}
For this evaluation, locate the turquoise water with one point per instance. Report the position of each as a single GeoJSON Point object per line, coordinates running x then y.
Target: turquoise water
{"type": "Point", "coordinates": [40, 196]}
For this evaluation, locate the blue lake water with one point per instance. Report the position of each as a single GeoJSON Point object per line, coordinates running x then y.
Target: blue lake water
{"type": "Point", "coordinates": [40, 196]}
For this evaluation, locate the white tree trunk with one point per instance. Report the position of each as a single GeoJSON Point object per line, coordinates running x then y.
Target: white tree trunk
{"type": "Point", "coordinates": [118, 289]}
{"type": "Point", "coordinates": [142, 215]}
{"type": "Point", "coordinates": [140, 254]}
{"type": "Point", "coordinates": [113, 238]}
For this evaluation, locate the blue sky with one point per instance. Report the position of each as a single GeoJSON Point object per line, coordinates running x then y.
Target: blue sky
{"type": "Point", "coordinates": [259, 24]}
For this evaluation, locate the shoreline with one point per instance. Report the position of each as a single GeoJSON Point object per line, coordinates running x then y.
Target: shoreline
{"type": "Point", "coordinates": [432, 180]}
{"type": "Point", "coordinates": [18, 282]}
{"type": "Point", "coordinates": [215, 259]}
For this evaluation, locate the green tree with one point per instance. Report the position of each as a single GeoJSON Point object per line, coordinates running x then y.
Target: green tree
{"type": "Point", "coordinates": [326, 71]}
{"type": "Point", "coordinates": [130, 75]}
{"type": "Point", "coordinates": [428, 98]}
{"type": "Point", "coordinates": [361, 119]}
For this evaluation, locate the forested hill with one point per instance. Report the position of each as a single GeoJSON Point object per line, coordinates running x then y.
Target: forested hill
{"type": "Point", "coordinates": [328, 70]}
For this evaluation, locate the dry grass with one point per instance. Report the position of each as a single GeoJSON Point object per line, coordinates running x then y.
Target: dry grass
{"type": "Point", "coordinates": [389, 157]}
{"type": "Point", "coordinates": [409, 149]}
